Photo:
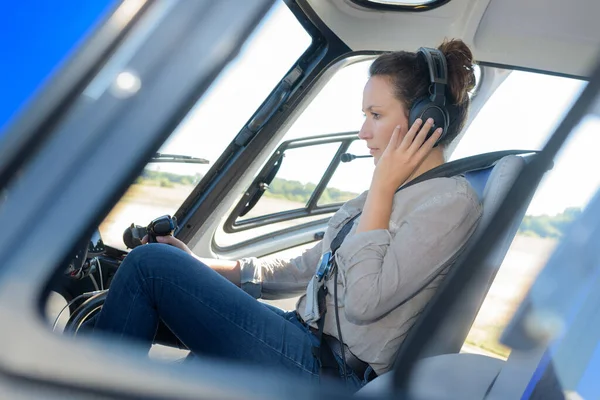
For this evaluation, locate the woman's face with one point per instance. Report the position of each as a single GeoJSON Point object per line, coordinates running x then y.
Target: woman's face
{"type": "Point", "coordinates": [383, 112]}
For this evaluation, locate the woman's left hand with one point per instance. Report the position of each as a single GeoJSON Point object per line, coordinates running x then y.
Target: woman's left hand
{"type": "Point", "coordinates": [170, 240]}
{"type": "Point", "coordinates": [403, 156]}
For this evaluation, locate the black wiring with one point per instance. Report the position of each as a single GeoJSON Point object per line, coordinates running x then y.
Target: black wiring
{"type": "Point", "coordinates": [81, 296]}
{"type": "Point", "coordinates": [337, 322]}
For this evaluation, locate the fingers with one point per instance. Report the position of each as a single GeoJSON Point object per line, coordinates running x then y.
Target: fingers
{"type": "Point", "coordinates": [410, 135]}
{"type": "Point", "coordinates": [428, 145]}
{"type": "Point", "coordinates": [168, 240]}
{"type": "Point", "coordinates": [173, 241]}
{"type": "Point", "coordinates": [416, 144]}
{"type": "Point", "coordinates": [145, 239]}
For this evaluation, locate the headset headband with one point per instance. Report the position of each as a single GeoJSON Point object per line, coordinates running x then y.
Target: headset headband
{"type": "Point", "coordinates": [438, 74]}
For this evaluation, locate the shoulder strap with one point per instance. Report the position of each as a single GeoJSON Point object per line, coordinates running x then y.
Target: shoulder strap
{"type": "Point", "coordinates": [445, 170]}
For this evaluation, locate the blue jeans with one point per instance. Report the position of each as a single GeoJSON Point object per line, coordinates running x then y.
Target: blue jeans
{"type": "Point", "coordinates": [207, 313]}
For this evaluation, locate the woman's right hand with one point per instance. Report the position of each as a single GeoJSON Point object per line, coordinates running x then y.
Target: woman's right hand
{"type": "Point", "coordinates": [403, 155]}
{"type": "Point", "coordinates": [171, 240]}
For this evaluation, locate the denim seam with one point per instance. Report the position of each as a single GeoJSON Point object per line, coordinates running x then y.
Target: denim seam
{"type": "Point", "coordinates": [232, 322]}
{"type": "Point", "coordinates": [139, 289]}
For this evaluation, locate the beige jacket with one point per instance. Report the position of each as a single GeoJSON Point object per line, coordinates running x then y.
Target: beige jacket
{"type": "Point", "coordinates": [381, 271]}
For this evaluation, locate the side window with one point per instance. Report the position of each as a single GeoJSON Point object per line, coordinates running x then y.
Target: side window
{"type": "Point", "coordinates": [296, 179]}
{"type": "Point", "coordinates": [505, 123]}
{"type": "Point", "coordinates": [289, 191]}
{"type": "Point", "coordinates": [350, 178]}
{"type": "Point", "coordinates": [211, 125]}
{"type": "Point", "coordinates": [520, 114]}
{"type": "Point", "coordinates": [298, 174]}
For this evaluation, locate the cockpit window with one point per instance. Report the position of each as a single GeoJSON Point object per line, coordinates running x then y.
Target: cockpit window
{"type": "Point", "coordinates": [210, 126]}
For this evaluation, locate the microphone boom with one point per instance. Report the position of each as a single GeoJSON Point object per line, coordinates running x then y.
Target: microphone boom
{"type": "Point", "coordinates": [347, 157]}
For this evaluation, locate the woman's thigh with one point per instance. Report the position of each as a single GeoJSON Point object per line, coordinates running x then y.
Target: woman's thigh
{"type": "Point", "coordinates": [210, 315]}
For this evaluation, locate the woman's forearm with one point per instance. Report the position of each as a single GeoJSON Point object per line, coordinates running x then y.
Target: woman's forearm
{"type": "Point", "coordinates": [377, 210]}
{"type": "Point", "coordinates": [230, 270]}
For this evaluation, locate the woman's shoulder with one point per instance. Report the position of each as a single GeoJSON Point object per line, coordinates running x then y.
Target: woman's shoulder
{"type": "Point", "coordinates": [455, 186]}
{"type": "Point", "coordinates": [437, 194]}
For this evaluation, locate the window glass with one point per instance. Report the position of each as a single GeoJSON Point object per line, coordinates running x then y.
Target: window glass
{"type": "Point", "coordinates": [520, 114]}
{"type": "Point", "coordinates": [563, 305]}
{"type": "Point", "coordinates": [212, 123]}
{"type": "Point", "coordinates": [337, 107]}
{"type": "Point", "coordinates": [349, 179]}
{"type": "Point", "coordinates": [561, 196]}
{"type": "Point", "coordinates": [301, 170]}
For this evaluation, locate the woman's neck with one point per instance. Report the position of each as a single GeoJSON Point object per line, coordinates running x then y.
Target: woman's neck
{"type": "Point", "coordinates": [433, 160]}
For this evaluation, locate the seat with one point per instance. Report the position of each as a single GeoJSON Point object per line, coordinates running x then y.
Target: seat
{"type": "Point", "coordinates": [456, 376]}
{"type": "Point", "coordinates": [491, 185]}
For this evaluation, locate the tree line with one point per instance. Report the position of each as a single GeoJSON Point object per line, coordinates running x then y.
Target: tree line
{"type": "Point", "coordinates": [547, 226]}
{"type": "Point", "coordinates": [544, 226]}
{"type": "Point", "coordinates": [166, 179]}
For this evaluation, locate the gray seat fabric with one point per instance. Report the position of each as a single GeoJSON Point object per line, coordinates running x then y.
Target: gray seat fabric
{"type": "Point", "coordinates": [445, 377]}
{"type": "Point", "coordinates": [473, 377]}
{"type": "Point", "coordinates": [492, 185]}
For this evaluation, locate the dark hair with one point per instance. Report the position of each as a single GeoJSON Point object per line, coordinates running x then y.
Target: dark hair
{"type": "Point", "coordinates": [409, 75]}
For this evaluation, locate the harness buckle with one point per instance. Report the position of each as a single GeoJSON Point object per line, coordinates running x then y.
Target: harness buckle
{"type": "Point", "coordinates": [324, 268]}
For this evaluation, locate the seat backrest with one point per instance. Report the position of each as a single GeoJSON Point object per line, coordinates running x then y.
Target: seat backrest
{"type": "Point", "coordinates": [491, 184]}
{"type": "Point", "coordinates": [464, 370]}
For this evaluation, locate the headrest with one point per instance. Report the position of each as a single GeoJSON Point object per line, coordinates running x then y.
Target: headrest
{"type": "Point", "coordinates": [493, 183]}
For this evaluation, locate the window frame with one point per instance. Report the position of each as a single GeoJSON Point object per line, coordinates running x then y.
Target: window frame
{"type": "Point", "coordinates": [311, 208]}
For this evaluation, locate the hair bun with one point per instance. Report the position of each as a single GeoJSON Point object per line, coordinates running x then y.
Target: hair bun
{"type": "Point", "coordinates": [461, 74]}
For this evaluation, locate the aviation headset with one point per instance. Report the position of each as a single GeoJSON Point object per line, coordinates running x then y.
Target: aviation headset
{"type": "Point", "coordinates": [433, 106]}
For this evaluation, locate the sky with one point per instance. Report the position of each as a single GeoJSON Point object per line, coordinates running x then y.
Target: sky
{"type": "Point", "coordinates": [37, 35]}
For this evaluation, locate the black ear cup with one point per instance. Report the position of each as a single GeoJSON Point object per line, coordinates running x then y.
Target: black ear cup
{"type": "Point", "coordinates": [433, 106]}
{"type": "Point", "coordinates": [425, 109]}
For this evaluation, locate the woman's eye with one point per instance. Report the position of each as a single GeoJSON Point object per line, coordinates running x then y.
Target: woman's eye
{"type": "Point", "coordinates": [375, 115]}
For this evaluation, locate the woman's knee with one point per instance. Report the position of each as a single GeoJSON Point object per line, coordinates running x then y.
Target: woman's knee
{"type": "Point", "coordinates": [141, 260]}
{"type": "Point", "coordinates": [141, 254]}
{"type": "Point", "coordinates": [155, 259]}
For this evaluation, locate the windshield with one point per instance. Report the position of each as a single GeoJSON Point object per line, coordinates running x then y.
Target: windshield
{"type": "Point", "coordinates": [210, 126]}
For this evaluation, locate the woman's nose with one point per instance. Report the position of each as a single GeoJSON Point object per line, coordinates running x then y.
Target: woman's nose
{"type": "Point", "coordinates": [365, 132]}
